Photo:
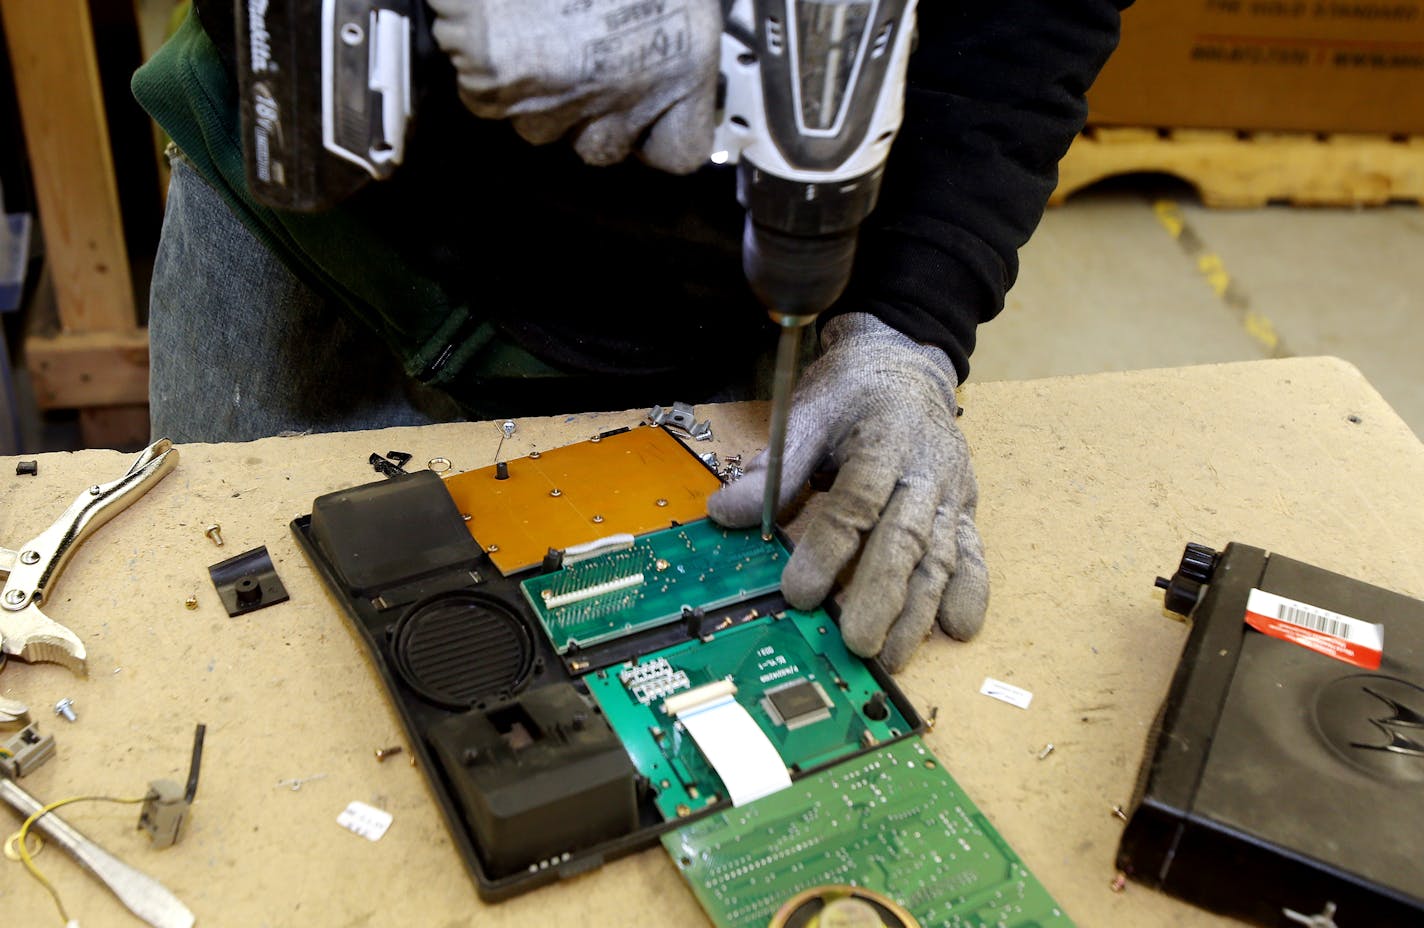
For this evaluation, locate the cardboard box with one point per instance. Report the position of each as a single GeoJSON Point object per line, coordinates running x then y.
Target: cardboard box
{"type": "Point", "coordinates": [1290, 65]}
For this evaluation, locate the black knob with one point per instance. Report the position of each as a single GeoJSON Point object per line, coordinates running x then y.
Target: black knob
{"type": "Point", "coordinates": [1195, 571]}
{"type": "Point", "coordinates": [248, 590]}
{"type": "Point", "coordinates": [1198, 562]}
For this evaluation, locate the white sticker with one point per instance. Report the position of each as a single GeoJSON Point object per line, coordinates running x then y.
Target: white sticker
{"type": "Point", "coordinates": [367, 821]}
{"type": "Point", "coordinates": [1006, 692]}
{"type": "Point", "coordinates": [1339, 636]}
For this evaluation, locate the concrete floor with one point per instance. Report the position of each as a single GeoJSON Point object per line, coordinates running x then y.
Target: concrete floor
{"type": "Point", "coordinates": [1105, 285]}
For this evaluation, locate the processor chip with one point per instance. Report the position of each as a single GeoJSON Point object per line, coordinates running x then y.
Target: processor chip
{"type": "Point", "coordinates": [797, 704]}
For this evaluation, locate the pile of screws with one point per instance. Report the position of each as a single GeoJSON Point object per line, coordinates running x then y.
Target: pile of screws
{"type": "Point", "coordinates": [726, 472]}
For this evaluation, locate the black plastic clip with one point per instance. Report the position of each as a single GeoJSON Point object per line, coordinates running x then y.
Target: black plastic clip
{"type": "Point", "coordinates": [392, 465]}
{"type": "Point", "coordinates": [248, 582]}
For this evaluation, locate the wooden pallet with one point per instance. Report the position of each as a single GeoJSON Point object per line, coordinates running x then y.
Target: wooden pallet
{"type": "Point", "coordinates": [1238, 169]}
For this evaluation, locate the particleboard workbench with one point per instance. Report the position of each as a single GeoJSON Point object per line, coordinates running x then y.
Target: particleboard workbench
{"type": "Point", "coordinates": [1090, 487]}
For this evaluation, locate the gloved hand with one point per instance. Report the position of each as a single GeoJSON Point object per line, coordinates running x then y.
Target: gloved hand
{"type": "Point", "coordinates": [601, 72]}
{"type": "Point", "coordinates": [882, 407]}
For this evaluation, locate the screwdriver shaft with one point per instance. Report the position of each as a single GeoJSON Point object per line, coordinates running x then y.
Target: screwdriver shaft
{"type": "Point", "coordinates": [144, 896]}
{"type": "Point", "coordinates": [787, 350]}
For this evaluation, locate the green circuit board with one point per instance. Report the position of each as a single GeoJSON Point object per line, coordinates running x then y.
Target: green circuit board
{"type": "Point", "coordinates": [697, 565]}
{"type": "Point", "coordinates": [792, 674]}
{"type": "Point", "coordinates": [891, 821]}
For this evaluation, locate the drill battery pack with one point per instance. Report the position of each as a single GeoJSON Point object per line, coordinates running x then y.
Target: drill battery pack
{"type": "Point", "coordinates": [1283, 779]}
{"type": "Point", "coordinates": [327, 91]}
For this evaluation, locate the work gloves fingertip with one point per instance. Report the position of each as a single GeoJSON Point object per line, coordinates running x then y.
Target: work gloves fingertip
{"type": "Point", "coordinates": [881, 407]}
{"type": "Point", "coordinates": [637, 78]}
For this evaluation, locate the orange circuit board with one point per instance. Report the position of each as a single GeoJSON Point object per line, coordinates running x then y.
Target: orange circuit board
{"type": "Point", "coordinates": [631, 482]}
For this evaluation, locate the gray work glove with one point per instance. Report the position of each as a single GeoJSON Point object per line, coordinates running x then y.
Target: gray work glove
{"type": "Point", "coordinates": [882, 407]}
{"type": "Point", "coordinates": [602, 73]}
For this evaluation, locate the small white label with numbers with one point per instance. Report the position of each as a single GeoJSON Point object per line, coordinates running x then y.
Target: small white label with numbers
{"type": "Point", "coordinates": [1006, 692]}
{"type": "Point", "coordinates": [367, 821]}
{"type": "Point", "coordinates": [1330, 633]}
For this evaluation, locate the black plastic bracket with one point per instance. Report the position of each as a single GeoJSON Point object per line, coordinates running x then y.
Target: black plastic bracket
{"type": "Point", "coordinates": [248, 582]}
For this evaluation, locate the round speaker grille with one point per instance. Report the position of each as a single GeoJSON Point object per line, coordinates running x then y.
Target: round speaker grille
{"type": "Point", "coordinates": [859, 906]}
{"type": "Point", "coordinates": [460, 649]}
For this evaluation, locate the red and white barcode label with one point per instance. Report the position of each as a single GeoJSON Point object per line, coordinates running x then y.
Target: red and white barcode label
{"type": "Point", "coordinates": [1339, 636]}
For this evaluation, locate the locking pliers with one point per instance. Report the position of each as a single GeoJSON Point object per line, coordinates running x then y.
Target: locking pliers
{"type": "Point", "coordinates": [30, 573]}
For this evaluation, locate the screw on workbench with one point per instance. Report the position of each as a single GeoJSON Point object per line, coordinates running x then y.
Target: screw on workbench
{"type": "Point", "coordinates": [1047, 750]}
{"type": "Point", "coordinates": [509, 428]}
{"type": "Point", "coordinates": [1117, 810]}
{"type": "Point", "coordinates": [383, 753]}
{"type": "Point", "coordinates": [214, 532]}
{"type": "Point", "coordinates": [556, 492]}
{"type": "Point", "coordinates": [192, 601]}
{"type": "Point", "coordinates": [661, 502]}
{"type": "Point", "coordinates": [1119, 883]}
{"type": "Point", "coordinates": [65, 708]}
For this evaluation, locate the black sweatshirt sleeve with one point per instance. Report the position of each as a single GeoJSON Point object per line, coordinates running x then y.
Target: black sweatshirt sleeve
{"type": "Point", "coordinates": [995, 95]}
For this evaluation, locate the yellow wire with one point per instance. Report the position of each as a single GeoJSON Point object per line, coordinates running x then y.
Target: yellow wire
{"type": "Point", "coordinates": [25, 851]}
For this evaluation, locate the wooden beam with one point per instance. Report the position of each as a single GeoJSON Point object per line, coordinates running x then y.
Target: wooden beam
{"type": "Point", "coordinates": [62, 108]}
{"type": "Point", "coordinates": [72, 370]}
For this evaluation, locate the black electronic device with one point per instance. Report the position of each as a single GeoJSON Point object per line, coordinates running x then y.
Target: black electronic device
{"type": "Point", "coordinates": [1283, 780]}
{"type": "Point", "coordinates": [534, 782]}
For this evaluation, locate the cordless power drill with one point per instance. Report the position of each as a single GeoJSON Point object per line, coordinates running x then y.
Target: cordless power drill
{"type": "Point", "coordinates": [811, 96]}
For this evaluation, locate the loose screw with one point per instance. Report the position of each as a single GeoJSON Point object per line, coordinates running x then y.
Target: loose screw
{"type": "Point", "coordinates": [383, 753]}
{"type": "Point", "coordinates": [214, 532]}
{"type": "Point", "coordinates": [65, 708]}
{"type": "Point", "coordinates": [509, 428]}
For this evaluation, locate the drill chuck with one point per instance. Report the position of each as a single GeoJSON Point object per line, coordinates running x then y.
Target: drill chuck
{"type": "Point", "coordinates": [795, 278]}
{"type": "Point", "coordinates": [798, 243]}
